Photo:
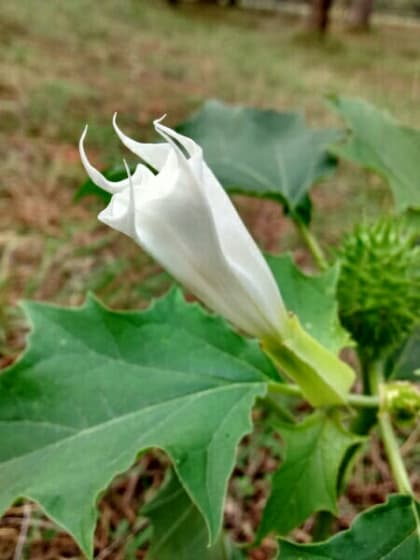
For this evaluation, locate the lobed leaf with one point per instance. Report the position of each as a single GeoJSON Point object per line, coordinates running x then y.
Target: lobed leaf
{"type": "Point", "coordinates": [95, 387]}
{"type": "Point", "coordinates": [307, 481]}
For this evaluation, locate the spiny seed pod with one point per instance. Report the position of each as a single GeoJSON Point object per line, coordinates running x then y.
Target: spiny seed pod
{"type": "Point", "coordinates": [379, 285]}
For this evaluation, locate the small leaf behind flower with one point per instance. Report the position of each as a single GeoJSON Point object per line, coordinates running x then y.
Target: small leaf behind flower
{"type": "Point", "coordinates": [307, 481]}
{"type": "Point", "coordinates": [179, 528]}
{"type": "Point", "coordinates": [263, 153]}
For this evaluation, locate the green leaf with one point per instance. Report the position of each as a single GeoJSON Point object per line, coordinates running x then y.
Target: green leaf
{"type": "Point", "coordinates": [261, 152]}
{"type": "Point", "coordinates": [312, 299]}
{"type": "Point", "coordinates": [212, 330]}
{"type": "Point", "coordinates": [179, 528]}
{"type": "Point", "coordinates": [386, 532]}
{"type": "Point", "coordinates": [383, 145]}
{"type": "Point", "coordinates": [405, 363]}
{"type": "Point", "coordinates": [307, 481]}
{"type": "Point", "coordinates": [95, 387]}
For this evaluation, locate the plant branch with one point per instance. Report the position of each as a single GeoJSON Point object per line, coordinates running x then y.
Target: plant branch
{"type": "Point", "coordinates": [357, 401]}
{"type": "Point", "coordinates": [393, 453]}
{"type": "Point", "coordinates": [312, 244]}
{"type": "Point", "coordinates": [366, 418]}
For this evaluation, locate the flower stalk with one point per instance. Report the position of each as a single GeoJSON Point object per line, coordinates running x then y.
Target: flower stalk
{"type": "Point", "coordinates": [353, 400]}
{"type": "Point", "coordinates": [312, 244]}
{"type": "Point", "coordinates": [393, 453]}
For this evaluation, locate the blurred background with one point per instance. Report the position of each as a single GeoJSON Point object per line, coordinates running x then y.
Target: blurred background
{"type": "Point", "coordinates": [67, 63]}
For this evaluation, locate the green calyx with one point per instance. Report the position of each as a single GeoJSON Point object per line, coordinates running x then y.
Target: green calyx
{"type": "Point", "coordinates": [379, 285]}
{"type": "Point", "coordinates": [323, 378]}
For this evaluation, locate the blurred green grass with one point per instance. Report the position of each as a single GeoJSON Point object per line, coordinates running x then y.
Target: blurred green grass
{"type": "Point", "coordinates": [63, 64]}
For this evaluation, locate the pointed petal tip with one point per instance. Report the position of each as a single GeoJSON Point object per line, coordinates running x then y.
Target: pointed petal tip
{"type": "Point", "coordinates": [165, 131]}
{"type": "Point", "coordinates": [126, 140]}
{"type": "Point", "coordinates": [156, 122]}
{"type": "Point", "coordinates": [83, 135]}
{"type": "Point", "coordinates": [117, 129]}
{"type": "Point", "coordinates": [96, 176]}
{"type": "Point", "coordinates": [82, 150]}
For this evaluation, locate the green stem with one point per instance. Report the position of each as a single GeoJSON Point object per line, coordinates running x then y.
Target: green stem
{"type": "Point", "coordinates": [393, 453]}
{"type": "Point", "coordinates": [388, 435]}
{"type": "Point", "coordinates": [312, 244]}
{"type": "Point", "coordinates": [366, 418]}
{"type": "Point", "coordinates": [373, 377]}
{"type": "Point", "coordinates": [357, 401]}
{"type": "Point", "coordinates": [362, 424]}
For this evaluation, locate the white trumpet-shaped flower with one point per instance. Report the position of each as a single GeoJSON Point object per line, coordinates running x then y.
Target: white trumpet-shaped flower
{"type": "Point", "coordinates": [185, 220]}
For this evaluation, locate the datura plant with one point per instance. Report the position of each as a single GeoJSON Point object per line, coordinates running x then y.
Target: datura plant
{"type": "Point", "coordinates": [97, 387]}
